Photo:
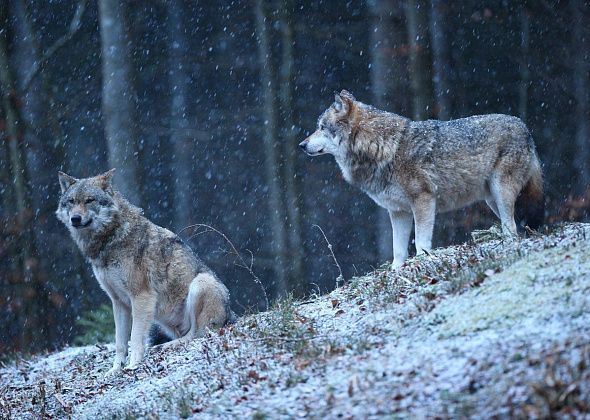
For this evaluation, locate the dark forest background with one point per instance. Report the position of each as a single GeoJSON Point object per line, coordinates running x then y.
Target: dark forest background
{"type": "Point", "coordinates": [200, 107]}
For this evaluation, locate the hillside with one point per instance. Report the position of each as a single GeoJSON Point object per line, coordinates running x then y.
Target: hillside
{"type": "Point", "coordinates": [489, 328]}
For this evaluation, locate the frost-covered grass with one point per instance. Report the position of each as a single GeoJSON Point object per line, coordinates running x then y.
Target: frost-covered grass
{"type": "Point", "coordinates": [491, 328]}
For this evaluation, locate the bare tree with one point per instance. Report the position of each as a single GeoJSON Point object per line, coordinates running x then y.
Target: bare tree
{"type": "Point", "coordinates": [44, 139]}
{"type": "Point", "coordinates": [30, 291]}
{"type": "Point", "coordinates": [388, 75]}
{"type": "Point", "coordinates": [297, 282]}
{"type": "Point", "coordinates": [119, 100]}
{"type": "Point", "coordinates": [41, 60]}
{"type": "Point", "coordinates": [581, 54]}
{"type": "Point", "coordinates": [441, 60]}
{"type": "Point", "coordinates": [182, 143]}
{"type": "Point", "coordinates": [417, 24]}
{"type": "Point", "coordinates": [525, 73]}
{"type": "Point", "coordinates": [5, 180]}
{"type": "Point", "coordinates": [271, 149]}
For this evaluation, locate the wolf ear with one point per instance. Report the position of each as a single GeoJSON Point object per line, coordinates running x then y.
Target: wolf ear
{"type": "Point", "coordinates": [106, 180]}
{"type": "Point", "coordinates": [346, 94]}
{"type": "Point", "coordinates": [65, 181]}
{"type": "Point", "coordinates": [344, 102]}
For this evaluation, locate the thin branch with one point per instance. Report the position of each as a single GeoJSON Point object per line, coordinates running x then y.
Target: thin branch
{"type": "Point", "coordinates": [73, 28]}
{"type": "Point", "coordinates": [242, 264]}
{"type": "Point", "coordinates": [65, 407]}
{"type": "Point", "coordinates": [340, 278]}
{"type": "Point", "coordinates": [270, 337]}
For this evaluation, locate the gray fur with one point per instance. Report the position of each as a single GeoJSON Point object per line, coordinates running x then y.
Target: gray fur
{"type": "Point", "coordinates": [415, 169]}
{"type": "Point", "coordinates": [149, 273]}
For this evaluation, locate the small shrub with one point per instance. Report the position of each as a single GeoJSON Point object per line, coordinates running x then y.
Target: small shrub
{"type": "Point", "coordinates": [286, 328]}
{"type": "Point", "coordinates": [97, 326]}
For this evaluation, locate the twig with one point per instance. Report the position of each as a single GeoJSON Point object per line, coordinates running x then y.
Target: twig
{"type": "Point", "coordinates": [66, 408]}
{"type": "Point", "coordinates": [283, 339]}
{"type": "Point", "coordinates": [305, 302]}
{"type": "Point", "coordinates": [532, 232]}
{"type": "Point", "coordinates": [72, 29]}
{"type": "Point", "coordinates": [340, 278]}
{"type": "Point", "coordinates": [242, 264]}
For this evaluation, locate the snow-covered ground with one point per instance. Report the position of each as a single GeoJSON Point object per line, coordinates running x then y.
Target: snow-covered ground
{"type": "Point", "coordinates": [499, 328]}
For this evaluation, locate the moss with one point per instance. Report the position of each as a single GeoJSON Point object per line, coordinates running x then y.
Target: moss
{"type": "Point", "coordinates": [524, 288]}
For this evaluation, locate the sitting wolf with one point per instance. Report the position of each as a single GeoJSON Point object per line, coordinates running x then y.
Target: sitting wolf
{"type": "Point", "coordinates": [417, 168]}
{"type": "Point", "coordinates": [147, 271]}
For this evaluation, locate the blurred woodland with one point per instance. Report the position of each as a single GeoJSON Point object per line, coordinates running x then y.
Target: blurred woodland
{"type": "Point", "coordinates": [200, 107]}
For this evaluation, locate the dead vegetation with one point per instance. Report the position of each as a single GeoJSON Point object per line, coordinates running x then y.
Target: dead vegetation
{"type": "Point", "coordinates": [564, 388]}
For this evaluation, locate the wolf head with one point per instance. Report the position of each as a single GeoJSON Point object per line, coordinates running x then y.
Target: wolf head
{"type": "Point", "coordinates": [87, 205]}
{"type": "Point", "coordinates": [334, 128]}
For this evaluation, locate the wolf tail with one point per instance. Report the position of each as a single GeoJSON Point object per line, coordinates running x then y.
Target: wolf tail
{"type": "Point", "coordinates": [530, 203]}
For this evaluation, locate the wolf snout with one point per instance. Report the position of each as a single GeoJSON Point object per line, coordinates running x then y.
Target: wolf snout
{"type": "Point", "coordinates": [303, 145]}
{"type": "Point", "coordinates": [76, 220]}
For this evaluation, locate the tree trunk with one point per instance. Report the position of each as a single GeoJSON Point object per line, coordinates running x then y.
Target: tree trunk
{"type": "Point", "coordinates": [119, 100]}
{"type": "Point", "coordinates": [297, 282]}
{"type": "Point", "coordinates": [5, 178]}
{"type": "Point", "coordinates": [581, 54]}
{"type": "Point", "coordinates": [31, 292]}
{"type": "Point", "coordinates": [388, 68]}
{"type": "Point", "coordinates": [271, 151]}
{"type": "Point", "coordinates": [525, 74]}
{"type": "Point", "coordinates": [182, 143]}
{"type": "Point", "coordinates": [44, 151]}
{"type": "Point", "coordinates": [419, 58]}
{"type": "Point", "coordinates": [441, 62]}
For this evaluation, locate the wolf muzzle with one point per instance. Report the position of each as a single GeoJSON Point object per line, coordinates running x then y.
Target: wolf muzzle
{"type": "Point", "coordinates": [305, 147]}
{"type": "Point", "coordinates": [76, 221]}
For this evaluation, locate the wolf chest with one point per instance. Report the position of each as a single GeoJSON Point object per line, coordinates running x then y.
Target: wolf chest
{"type": "Point", "coordinates": [114, 280]}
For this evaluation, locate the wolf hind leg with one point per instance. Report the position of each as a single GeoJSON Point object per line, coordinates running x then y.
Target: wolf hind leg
{"type": "Point", "coordinates": [504, 196]}
{"type": "Point", "coordinates": [492, 205]}
{"type": "Point", "coordinates": [401, 224]}
{"type": "Point", "coordinates": [206, 306]}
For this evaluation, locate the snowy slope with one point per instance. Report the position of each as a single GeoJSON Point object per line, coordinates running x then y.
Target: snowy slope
{"type": "Point", "coordinates": [499, 328]}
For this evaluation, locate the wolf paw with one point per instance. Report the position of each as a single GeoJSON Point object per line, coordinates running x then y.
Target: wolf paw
{"type": "Point", "coordinates": [112, 372]}
{"type": "Point", "coordinates": [174, 344]}
{"type": "Point", "coordinates": [132, 366]}
{"type": "Point", "coordinates": [397, 264]}
{"type": "Point", "coordinates": [510, 237]}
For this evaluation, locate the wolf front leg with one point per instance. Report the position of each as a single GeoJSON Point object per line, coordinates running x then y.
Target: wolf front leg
{"type": "Point", "coordinates": [424, 213]}
{"type": "Point", "coordinates": [143, 307]}
{"type": "Point", "coordinates": [401, 224]}
{"type": "Point", "coordinates": [122, 316]}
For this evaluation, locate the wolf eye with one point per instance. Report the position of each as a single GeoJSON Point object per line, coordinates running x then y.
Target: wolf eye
{"type": "Point", "coordinates": [71, 201]}
{"type": "Point", "coordinates": [89, 200]}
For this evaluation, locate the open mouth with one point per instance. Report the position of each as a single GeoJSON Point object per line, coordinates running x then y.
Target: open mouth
{"type": "Point", "coordinates": [83, 225]}
{"type": "Point", "coordinates": [318, 152]}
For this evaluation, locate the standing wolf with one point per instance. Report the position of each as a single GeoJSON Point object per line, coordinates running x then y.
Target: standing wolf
{"type": "Point", "coordinates": [417, 168]}
{"type": "Point", "coordinates": [147, 271]}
